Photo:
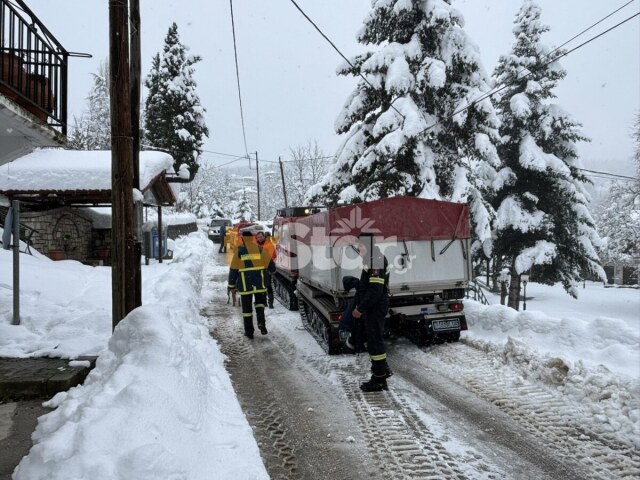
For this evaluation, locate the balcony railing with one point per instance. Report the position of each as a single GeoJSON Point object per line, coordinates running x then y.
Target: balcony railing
{"type": "Point", "coordinates": [33, 66]}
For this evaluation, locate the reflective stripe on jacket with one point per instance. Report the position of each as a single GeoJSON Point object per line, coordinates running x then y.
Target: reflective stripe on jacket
{"type": "Point", "coordinates": [374, 282]}
{"type": "Point", "coordinates": [247, 269]}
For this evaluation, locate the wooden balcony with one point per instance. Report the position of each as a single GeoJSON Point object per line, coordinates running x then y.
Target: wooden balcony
{"type": "Point", "coordinates": [33, 70]}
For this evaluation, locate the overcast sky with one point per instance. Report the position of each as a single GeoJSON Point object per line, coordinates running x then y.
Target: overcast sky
{"type": "Point", "coordinates": [290, 91]}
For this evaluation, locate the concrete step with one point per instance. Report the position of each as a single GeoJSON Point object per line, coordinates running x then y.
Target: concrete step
{"type": "Point", "coordinates": [42, 378]}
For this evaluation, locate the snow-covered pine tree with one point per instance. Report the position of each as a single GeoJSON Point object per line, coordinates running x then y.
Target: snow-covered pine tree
{"type": "Point", "coordinates": [243, 210]}
{"type": "Point", "coordinates": [78, 139]}
{"type": "Point", "coordinates": [152, 107]}
{"type": "Point", "coordinates": [217, 211]}
{"type": "Point", "coordinates": [93, 130]}
{"type": "Point", "coordinates": [542, 211]}
{"type": "Point", "coordinates": [199, 207]}
{"type": "Point", "coordinates": [173, 115]}
{"type": "Point", "coordinates": [618, 216]}
{"type": "Point", "coordinates": [213, 186]}
{"type": "Point", "coordinates": [408, 131]}
{"type": "Point", "coordinates": [271, 195]}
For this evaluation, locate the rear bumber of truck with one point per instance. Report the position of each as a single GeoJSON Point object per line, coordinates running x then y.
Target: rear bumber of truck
{"type": "Point", "coordinates": [426, 319]}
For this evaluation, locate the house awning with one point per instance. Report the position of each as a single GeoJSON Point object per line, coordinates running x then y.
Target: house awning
{"type": "Point", "coordinates": [58, 177]}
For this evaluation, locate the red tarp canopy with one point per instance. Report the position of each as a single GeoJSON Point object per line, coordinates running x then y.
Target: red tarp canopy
{"type": "Point", "coordinates": [406, 218]}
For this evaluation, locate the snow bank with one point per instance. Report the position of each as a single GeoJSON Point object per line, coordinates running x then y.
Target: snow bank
{"type": "Point", "coordinates": [595, 362]}
{"type": "Point", "coordinates": [159, 403]}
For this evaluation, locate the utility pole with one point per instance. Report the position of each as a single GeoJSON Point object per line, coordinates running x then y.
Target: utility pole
{"type": "Point", "coordinates": [284, 189]}
{"type": "Point", "coordinates": [122, 236]}
{"type": "Point", "coordinates": [258, 184]}
{"type": "Point", "coordinates": [15, 228]}
{"type": "Point", "coordinates": [135, 74]}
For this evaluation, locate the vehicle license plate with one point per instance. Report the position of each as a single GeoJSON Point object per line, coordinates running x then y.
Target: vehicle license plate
{"type": "Point", "coordinates": [440, 325]}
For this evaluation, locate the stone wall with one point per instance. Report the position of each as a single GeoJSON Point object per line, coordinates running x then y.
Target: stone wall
{"type": "Point", "coordinates": [175, 231]}
{"type": "Point", "coordinates": [61, 233]}
{"type": "Point", "coordinates": [65, 233]}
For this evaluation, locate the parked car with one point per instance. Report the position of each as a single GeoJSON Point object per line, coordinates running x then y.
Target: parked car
{"type": "Point", "coordinates": [255, 228]}
{"type": "Point", "coordinates": [215, 226]}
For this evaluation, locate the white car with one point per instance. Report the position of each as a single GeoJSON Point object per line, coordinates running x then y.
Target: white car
{"type": "Point", "coordinates": [215, 226]}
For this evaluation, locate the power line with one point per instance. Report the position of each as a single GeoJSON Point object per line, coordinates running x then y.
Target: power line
{"type": "Point", "coordinates": [614, 175]}
{"type": "Point", "coordinates": [304, 159]}
{"type": "Point", "coordinates": [340, 53]}
{"type": "Point", "coordinates": [220, 153]}
{"type": "Point", "coordinates": [499, 88]}
{"type": "Point", "coordinates": [590, 27]}
{"type": "Point", "coordinates": [232, 161]}
{"type": "Point", "coordinates": [496, 90]}
{"type": "Point", "coordinates": [235, 52]}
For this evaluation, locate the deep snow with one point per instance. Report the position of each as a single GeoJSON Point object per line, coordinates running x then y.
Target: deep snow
{"type": "Point", "coordinates": [159, 403]}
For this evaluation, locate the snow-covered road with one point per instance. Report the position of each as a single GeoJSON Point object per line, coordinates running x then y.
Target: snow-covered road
{"type": "Point", "coordinates": [453, 411]}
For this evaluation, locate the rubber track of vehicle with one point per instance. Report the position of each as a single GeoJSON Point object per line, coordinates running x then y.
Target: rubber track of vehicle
{"type": "Point", "coordinates": [567, 429]}
{"type": "Point", "coordinates": [306, 323]}
{"type": "Point", "coordinates": [261, 408]}
{"type": "Point", "coordinates": [278, 286]}
{"type": "Point", "coordinates": [400, 442]}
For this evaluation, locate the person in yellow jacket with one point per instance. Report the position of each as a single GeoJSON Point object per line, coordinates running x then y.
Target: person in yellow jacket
{"type": "Point", "coordinates": [247, 275]}
{"type": "Point", "coordinates": [266, 243]}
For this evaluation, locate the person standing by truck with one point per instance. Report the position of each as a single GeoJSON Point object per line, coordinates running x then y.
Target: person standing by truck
{"type": "Point", "coordinates": [247, 276]}
{"type": "Point", "coordinates": [373, 305]}
{"type": "Point", "coordinates": [223, 239]}
{"type": "Point", "coordinates": [265, 243]}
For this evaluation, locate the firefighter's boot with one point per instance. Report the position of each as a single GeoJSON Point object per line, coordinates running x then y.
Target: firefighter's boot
{"type": "Point", "coordinates": [248, 327]}
{"type": "Point", "coordinates": [261, 321]}
{"type": "Point", "coordinates": [380, 371]}
{"type": "Point", "coordinates": [375, 384]}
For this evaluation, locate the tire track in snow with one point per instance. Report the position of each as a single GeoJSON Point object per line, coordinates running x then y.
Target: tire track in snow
{"type": "Point", "coordinates": [564, 426]}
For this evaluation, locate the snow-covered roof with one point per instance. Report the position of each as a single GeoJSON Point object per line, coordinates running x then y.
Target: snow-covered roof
{"type": "Point", "coordinates": [68, 170]}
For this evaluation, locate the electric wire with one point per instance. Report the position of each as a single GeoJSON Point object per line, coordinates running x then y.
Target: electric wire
{"type": "Point", "coordinates": [495, 90]}
{"type": "Point", "coordinates": [232, 161]}
{"type": "Point", "coordinates": [615, 175]}
{"type": "Point", "coordinates": [235, 53]}
{"type": "Point", "coordinates": [339, 52]}
{"type": "Point", "coordinates": [563, 54]}
{"type": "Point", "coordinates": [498, 88]}
{"type": "Point", "coordinates": [590, 27]}
{"type": "Point", "coordinates": [238, 157]}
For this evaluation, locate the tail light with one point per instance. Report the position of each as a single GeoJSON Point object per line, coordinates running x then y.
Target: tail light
{"type": "Point", "coordinates": [336, 317]}
{"type": "Point", "coordinates": [456, 307]}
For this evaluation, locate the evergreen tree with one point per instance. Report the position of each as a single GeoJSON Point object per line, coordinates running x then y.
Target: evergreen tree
{"type": "Point", "coordinates": [217, 211]}
{"type": "Point", "coordinates": [618, 217]}
{"type": "Point", "coordinates": [407, 130]}
{"type": "Point", "coordinates": [271, 195]}
{"type": "Point", "coordinates": [173, 115]}
{"type": "Point", "coordinates": [542, 210]}
{"type": "Point", "coordinates": [212, 192]}
{"type": "Point", "coordinates": [199, 208]}
{"type": "Point", "coordinates": [243, 209]}
{"type": "Point", "coordinates": [152, 107]}
{"type": "Point", "coordinates": [78, 139]}
{"type": "Point", "coordinates": [93, 130]}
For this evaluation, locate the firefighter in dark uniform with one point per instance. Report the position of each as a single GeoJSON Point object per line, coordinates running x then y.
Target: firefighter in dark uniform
{"type": "Point", "coordinates": [247, 276]}
{"type": "Point", "coordinates": [373, 305]}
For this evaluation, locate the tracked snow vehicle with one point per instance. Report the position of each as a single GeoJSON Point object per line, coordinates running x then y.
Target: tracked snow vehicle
{"type": "Point", "coordinates": [426, 243]}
